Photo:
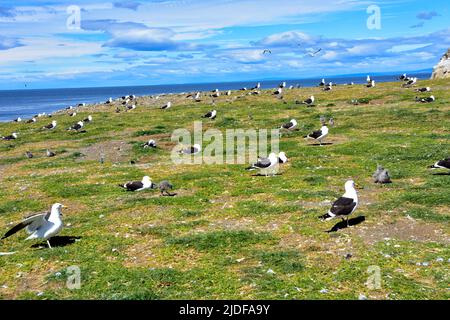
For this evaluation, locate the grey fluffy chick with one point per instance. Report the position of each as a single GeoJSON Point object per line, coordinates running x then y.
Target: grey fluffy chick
{"type": "Point", "coordinates": [164, 187]}
{"type": "Point", "coordinates": [381, 175]}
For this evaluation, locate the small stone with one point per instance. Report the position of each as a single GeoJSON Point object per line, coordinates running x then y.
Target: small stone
{"type": "Point", "coordinates": [362, 297]}
{"type": "Point", "coordinates": [40, 293]}
{"type": "Point", "coordinates": [270, 271]}
{"type": "Point", "coordinates": [323, 291]}
{"type": "Point", "coordinates": [425, 264]}
{"type": "Point", "coordinates": [58, 274]}
{"type": "Point", "coordinates": [439, 259]}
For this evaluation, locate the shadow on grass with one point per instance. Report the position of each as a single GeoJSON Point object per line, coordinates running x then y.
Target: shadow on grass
{"type": "Point", "coordinates": [441, 174]}
{"type": "Point", "coordinates": [58, 241]}
{"type": "Point", "coordinates": [318, 144]}
{"type": "Point", "coordinates": [263, 175]}
{"type": "Point", "coordinates": [343, 224]}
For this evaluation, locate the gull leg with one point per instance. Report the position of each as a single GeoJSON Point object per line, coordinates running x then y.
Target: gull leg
{"type": "Point", "coordinates": [347, 223]}
{"type": "Point", "coordinates": [48, 243]}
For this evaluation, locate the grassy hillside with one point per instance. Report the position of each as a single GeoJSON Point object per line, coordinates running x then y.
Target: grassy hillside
{"type": "Point", "coordinates": [228, 234]}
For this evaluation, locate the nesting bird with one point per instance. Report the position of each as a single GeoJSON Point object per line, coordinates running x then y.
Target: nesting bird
{"type": "Point", "coordinates": [426, 100]}
{"type": "Point", "coordinates": [41, 226]}
{"type": "Point", "coordinates": [77, 126]}
{"type": "Point", "coordinates": [344, 206]}
{"type": "Point", "coordinates": [50, 126]}
{"type": "Point", "coordinates": [32, 120]}
{"type": "Point", "coordinates": [381, 176]}
{"type": "Point", "coordinates": [145, 183]}
{"type": "Point", "coordinates": [410, 83]}
{"type": "Point", "coordinates": [88, 119]}
{"type": "Point", "coordinates": [291, 125]}
{"type": "Point", "coordinates": [265, 164]}
{"type": "Point", "coordinates": [167, 105]}
{"type": "Point", "coordinates": [442, 164]}
{"type": "Point", "coordinates": [12, 136]}
{"type": "Point", "coordinates": [309, 101]}
{"type": "Point", "coordinates": [50, 153]}
{"type": "Point", "coordinates": [210, 115]}
{"type": "Point", "coordinates": [196, 148]}
{"type": "Point", "coordinates": [150, 144]}
{"type": "Point", "coordinates": [426, 89]}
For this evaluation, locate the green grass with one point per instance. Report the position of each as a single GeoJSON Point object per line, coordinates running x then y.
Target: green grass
{"type": "Point", "coordinates": [228, 234]}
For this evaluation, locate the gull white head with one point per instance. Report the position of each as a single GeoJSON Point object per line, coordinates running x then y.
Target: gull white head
{"type": "Point", "coordinates": [89, 118]}
{"type": "Point", "coordinates": [428, 89]}
{"type": "Point", "coordinates": [282, 157]}
{"type": "Point", "coordinates": [273, 157]}
{"type": "Point", "coordinates": [350, 190]}
{"type": "Point", "coordinates": [14, 134]}
{"type": "Point", "coordinates": [324, 130]}
{"type": "Point", "coordinates": [56, 211]}
{"type": "Point", "coordinates": [312, 98]}
{"type": "Point", "coordinates": [294, 122]}
{"type": "Point", "coordinates": [432, 98]}
{"type": "Point", "coordinates": [146, 181]}
{"type": "Point", "coordinates": [197, 147]}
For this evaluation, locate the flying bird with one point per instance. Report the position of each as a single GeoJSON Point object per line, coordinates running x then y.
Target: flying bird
{"type": "Point", "coordinates": [344, 206]}
{"type": "Point", "coordinates": [145, 183]}
{"type": "Point", "coordinates": [318, 135]}
{"type": "Point", "coordinates": [266, 51]}
{"type": "Point", "coordinates": [41, 226]}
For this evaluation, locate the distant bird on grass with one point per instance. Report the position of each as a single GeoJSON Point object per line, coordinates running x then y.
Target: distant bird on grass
{"type": "Point", "coordinates": [278, 92]}
{"type": "Point", "coordinates": [41, 226]}
{"type": "Point", "coordinates": [381, 176]}
{"type": "Point", "coordinates": [371, 84]}
{"type": "Point", "coordinates": [426, 100]}
{"type": "Point", "coordinates": [265, 164]}
{"type": "Point", "coordinates": [19, 119]}
{"type": "Point", "coordinates": [29, 155]}
{"type": "Point", "coordinates": [167, 105]}
{"type": "Point", "coordinates": [50, 126]}
{"type": "Point", "coordinates": [318, 135]}
{"type": "Point", "coordinates": [32, 120]}
{"type": "Point", "coordinates": [132, 107]}
{"type": "Point", "coordinates": [150, 144]}
{"type": "Point", "coordinates": [291, 125]}
{"type": "Point", "coordinates": [145, 183]}
{"type": "Point", "coordinates": [210, 115]}
{"type": "Point", "coordinates": [196, 148]}
{"type": "Point", "coordinates": [344, 206]}
{"type": "Point", "coordinates": [88, 119]}
{"type": "Point", "coordinates": [12, 136]}
{"type": "Point", "coordinates": [426, 89]}
{"type": "Point", "coordinates": [50, 153]}
{"type": "Point", "coordinates": [410, 83]}
{"type": "Point", "coordinates": [77, 126]}
{"type": "Point", "coordinates": [322, 83]}
{"type": "Point", "coordinates": [164, 187]}
{"type": "Point", "coordinates": [308, 102]}
{"type": "Point", "coordinates": [73, 114]}
{"type": "Point", "coordinates": [442, 164]}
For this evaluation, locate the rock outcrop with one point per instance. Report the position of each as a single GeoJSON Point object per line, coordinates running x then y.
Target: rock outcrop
{"type": "Point", "coordinates": [442, 69]}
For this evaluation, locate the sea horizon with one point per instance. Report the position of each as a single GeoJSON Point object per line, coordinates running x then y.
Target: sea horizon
{"type": "Point", "coordinates": [25, 103]}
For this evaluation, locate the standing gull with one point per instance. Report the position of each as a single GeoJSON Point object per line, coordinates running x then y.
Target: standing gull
{"type": "Point", "coordinates": [345, 205]}
{"type": "Point", "coordinates": [41, 226]}
{"type": "Point", "coordinates": [167, 105]}
{"type": "Point", "coordinates": [318, 135]}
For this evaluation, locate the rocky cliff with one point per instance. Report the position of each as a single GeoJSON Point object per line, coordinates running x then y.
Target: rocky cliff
{"type": "Point", "coordinates": [442, 69]}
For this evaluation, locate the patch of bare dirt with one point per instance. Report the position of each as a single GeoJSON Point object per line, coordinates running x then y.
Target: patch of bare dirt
{"type": "Point", "coordinates": [404, 229]}
{"type": "Point", "coordinates": [112, 151]}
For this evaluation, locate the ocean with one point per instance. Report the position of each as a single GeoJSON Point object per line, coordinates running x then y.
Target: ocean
{"type": "Point", "coordinates": [28, 102]}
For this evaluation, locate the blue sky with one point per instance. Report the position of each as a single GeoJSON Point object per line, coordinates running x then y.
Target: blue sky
{"type": "Point", "coordinates": [131, 42]}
